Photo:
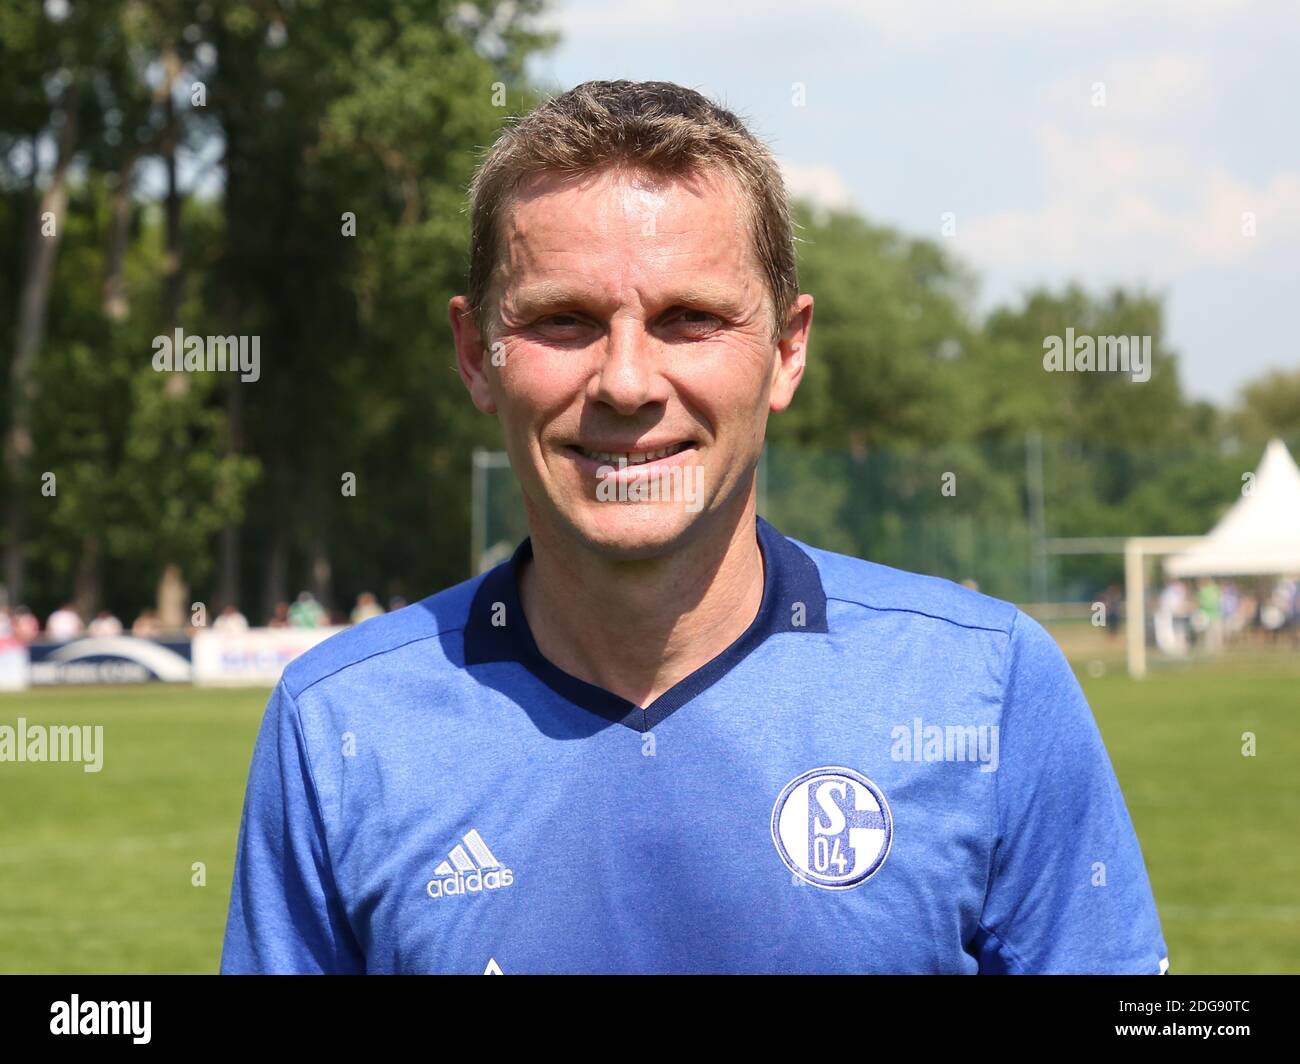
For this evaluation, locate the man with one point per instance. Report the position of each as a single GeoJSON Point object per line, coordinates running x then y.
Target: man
{"type": "Point", "coordinates": [104, 625]}
{"type": "Point", "coordinates": [306, 612]}
{"type": "Point", "coordinates": [230, 620]}
{"type": "Point", "coordinates": [64, 623]}
{"type": "Point", "coordinates": [367, 606]}
{"type": "Point", "coordinates": [663, 737]}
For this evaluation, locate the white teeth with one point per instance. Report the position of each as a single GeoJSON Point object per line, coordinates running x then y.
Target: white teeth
{"type": "Point", "coordinates": [634, 457]}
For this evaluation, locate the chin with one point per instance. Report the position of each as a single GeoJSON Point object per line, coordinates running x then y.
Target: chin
{"type": "Point", "coordinates": [633, 531]}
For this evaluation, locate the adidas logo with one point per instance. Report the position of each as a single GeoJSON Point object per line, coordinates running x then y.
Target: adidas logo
{"type": "Point", "coordinates": [469, 869]}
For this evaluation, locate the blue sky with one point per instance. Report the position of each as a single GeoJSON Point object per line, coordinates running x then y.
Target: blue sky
{"type": "Point", "coordinates": [988, 110]}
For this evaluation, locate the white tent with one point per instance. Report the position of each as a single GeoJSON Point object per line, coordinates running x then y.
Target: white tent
{"type": "Point", "coordinates": [1260, 534]}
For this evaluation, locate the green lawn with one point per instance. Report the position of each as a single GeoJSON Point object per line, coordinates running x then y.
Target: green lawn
{"type": "Point", "coordinates": [96, 869]}
{"type": "Point", "coordinates": [1220, 831]}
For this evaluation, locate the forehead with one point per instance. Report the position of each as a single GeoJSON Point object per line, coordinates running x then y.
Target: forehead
{"type": "Point", "coordinates": [627, 226]}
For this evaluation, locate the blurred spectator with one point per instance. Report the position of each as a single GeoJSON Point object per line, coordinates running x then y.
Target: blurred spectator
{"type": "Point", "coordinates": [1247, 616]}
{"type": "Point", "coordinates": [1112, 600]}
{"type": "Point", "coordinates": [1281, 610]}
{"type": "Point", "coordinates": [1208, 619]}
{"type": "Point", "coordinates": [6, 623]}
{"type": "Point", "coordinates": [306, 612]}
{"type": "Point", "coordinates": [104, 624]}
{"type": "Point", "coordinates": [396, 603]}
{"type": "Point", "coordinates": [1230, 608]}
{"type": "Point", "coordinates": [1171, 619]}
{"type": "Point", "coordinates": [367, 606]}
{"type": "Point", "coordinates": [147, 625]}
{"type": "Point", "coordinates": [26, 626]}
{"type": "Point", "coordinates": [280, 618]}
{"type": "Point", "coordinates": [230, 620]}
{"type": "Point", "coordinates": [63, 624]}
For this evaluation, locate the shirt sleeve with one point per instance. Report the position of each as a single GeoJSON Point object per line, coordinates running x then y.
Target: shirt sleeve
{"type": "Point", "coordinates": [1068, 890]}
{"type": "Point", "coordinates": [286, 916]}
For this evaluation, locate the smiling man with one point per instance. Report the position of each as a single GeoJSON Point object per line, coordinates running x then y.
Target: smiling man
{"type": "Point", "coordinates": [663, 737]}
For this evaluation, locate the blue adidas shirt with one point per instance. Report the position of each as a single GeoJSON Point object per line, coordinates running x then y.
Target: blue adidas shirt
{"type": "Point", "coordinates": [885, 773]}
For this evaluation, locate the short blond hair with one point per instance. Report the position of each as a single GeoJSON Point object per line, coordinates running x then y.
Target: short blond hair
{"type": "Point", "coordinates": [653, 126]}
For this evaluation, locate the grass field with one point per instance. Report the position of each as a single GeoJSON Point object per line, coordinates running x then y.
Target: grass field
{"type": "Point", "coordinates": [96, 870]}
{"type": "Point", "coordinates": [1220, 831]}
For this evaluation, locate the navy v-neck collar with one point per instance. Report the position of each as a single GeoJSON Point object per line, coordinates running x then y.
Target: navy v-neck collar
{"type": "Point", "coordinates": [792, 593]}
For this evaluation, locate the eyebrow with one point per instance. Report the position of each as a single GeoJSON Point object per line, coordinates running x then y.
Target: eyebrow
{"type": "Point", "coordinates": [545, 296]}
{"type": "Point", "coordinates": [542, 296]}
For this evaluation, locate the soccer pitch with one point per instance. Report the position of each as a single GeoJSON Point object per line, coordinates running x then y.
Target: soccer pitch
{"type": "Point", "coordinates": [97, 870]}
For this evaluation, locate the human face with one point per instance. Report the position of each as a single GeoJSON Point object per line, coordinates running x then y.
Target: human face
{"type": "Point", "coordinates": [633, 325]}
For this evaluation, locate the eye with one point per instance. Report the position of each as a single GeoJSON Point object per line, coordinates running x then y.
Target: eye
{"type": "Point", "coordinates": [561, 326]}
{"type": "Point", "coordinates": [693, 321]}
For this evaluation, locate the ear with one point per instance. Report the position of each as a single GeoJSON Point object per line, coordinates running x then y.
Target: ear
{"type": "Point", "coordinates": [471, 355]}
{"type": "Point", "coordinates": [792, 351]}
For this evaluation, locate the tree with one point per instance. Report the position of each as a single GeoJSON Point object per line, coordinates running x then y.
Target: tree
{"type": "Point", "coordinates": [1268, 407]}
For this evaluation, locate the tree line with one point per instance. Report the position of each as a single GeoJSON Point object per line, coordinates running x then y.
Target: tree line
{"type": "Point", "coordinates": [297, 173]}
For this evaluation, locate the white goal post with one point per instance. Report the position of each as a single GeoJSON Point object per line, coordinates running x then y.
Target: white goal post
{"type": "Point", "coordinates": [1136, 551]}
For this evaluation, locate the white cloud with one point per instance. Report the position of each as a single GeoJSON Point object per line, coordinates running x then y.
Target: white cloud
{"type": "Point", "coordinates": [821, 184]}
{"type": "Point", "coordinates": [917, 20]}
{"type": "Point", "coordinates": [1115, 202]}
{"type": "Point", "coordinates": [929, 19]}
{"type": "Point", "coordinates": [1140, 89]}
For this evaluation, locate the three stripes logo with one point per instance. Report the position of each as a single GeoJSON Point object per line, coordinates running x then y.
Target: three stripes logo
{"type": "Point", "coordinates": [469, 869]}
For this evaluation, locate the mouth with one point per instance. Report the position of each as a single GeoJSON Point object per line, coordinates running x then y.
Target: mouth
{"type": "Point", "coordinates": [596, 459]}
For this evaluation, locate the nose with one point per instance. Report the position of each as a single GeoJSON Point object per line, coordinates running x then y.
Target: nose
{"type": "Point", "coordinates": [629, 377]}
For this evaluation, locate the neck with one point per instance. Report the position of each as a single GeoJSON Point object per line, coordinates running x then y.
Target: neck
{"type": "Point", "coordinates": [637, 628]}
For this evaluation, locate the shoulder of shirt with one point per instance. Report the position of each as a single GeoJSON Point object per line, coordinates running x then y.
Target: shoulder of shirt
{"type": "Point", "coordinates": [426, 620]}
{"type": "Point", "coordinates": [846, 579]}
{"type": "Point", "coordinates": [881, 588]}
